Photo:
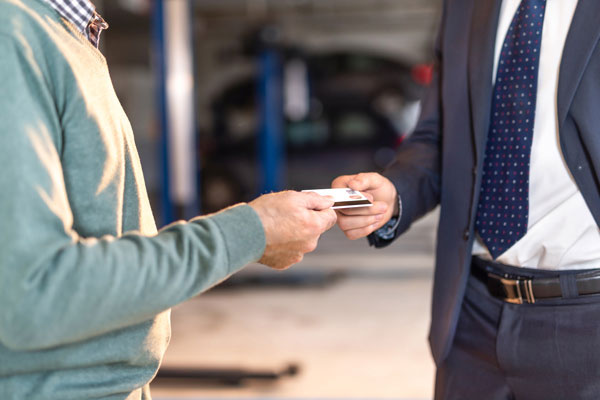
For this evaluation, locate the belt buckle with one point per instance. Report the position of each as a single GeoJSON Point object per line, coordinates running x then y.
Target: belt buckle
{"type": "Point", "coordinates": [515, 288]}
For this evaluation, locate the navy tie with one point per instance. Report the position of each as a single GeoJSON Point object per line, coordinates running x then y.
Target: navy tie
{"type": "Point", "coordinates": [503, 210]}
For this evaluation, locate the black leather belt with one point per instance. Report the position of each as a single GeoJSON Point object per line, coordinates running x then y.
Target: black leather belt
{"type": "Point", "coordinates": [526, 289]}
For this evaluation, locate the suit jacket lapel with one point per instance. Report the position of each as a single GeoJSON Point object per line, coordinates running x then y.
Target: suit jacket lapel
{"type": "Point", "coordinates": [480, 66]}
{"type": "Point", "coordinates": [581, 41]}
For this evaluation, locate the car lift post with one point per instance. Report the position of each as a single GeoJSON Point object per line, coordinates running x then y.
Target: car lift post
{"type": "Point", "coordinates": [271, 140]}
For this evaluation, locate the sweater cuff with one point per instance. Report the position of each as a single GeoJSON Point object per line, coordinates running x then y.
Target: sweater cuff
{"type": "Point", "coordinates": [243, 234]}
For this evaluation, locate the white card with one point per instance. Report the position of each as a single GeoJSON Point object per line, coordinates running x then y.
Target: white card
{"type": "Point", "coordinates": [344, 197]}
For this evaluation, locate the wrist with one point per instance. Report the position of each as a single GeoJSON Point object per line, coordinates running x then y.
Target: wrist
{"type": "Point", "coordinates": [396, 212]}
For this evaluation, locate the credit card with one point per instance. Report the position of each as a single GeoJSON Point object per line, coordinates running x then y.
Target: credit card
{"type": "Point", "coordinates": [344, 197]}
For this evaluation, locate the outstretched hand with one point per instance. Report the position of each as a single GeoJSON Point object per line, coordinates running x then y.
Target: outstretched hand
{"type": "Point", "coordinates": [293, 223]}
{"type": "Point", "coordinates": [360, 222]}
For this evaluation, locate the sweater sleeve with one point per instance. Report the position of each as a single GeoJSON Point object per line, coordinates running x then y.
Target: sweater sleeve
{"type": "Point", "coordinates": [57, 287]}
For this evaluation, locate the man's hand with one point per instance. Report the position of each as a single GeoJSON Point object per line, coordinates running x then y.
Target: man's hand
{"type": "Point", "coordinates": [293, 223]}
{"type": "Point", "coordinates": [360, 222]}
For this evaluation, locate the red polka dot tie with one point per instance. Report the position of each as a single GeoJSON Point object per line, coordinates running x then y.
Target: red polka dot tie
{"type": "Point", "coordinates": [503, 209]}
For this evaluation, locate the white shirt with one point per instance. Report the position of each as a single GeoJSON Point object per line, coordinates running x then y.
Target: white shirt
{"type": "Point", "coordinates": [562, 233]}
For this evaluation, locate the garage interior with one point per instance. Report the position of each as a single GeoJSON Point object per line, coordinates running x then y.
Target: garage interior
{"type": "Point", "coordinates": [349, 321]}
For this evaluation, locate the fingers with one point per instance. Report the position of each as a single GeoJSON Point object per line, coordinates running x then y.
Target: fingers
{"type": "Point", "coordinates": [365, 181]}
{"type": "Point", "coordinates": [293, 223]}
{"type": "Point", "coordinates": [350, 223]}
{"type": "Point", "coordinates": [342, 181]}
{"type": "Point", "coordinates": [378, 207]}
{"type": "Point", "coordinates": [360, 222]}
{"type": "Point", "coordinates": [313, 201]}
{"type": "Point", "coordinates": [328, 218]}
{"type": "Point", "coordinates": [369, 196]}
{"type": "Point", "coordinates": [355, 234]}
{"type": "Point", "coordinates": [318, 222]}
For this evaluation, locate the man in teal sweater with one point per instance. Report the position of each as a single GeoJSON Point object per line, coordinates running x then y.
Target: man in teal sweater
{"type": "Point", "coordinates": [86, 281]}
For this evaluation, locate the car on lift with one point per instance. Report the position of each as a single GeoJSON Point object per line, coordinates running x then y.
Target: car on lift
{"type": "Point", "coordinates": [359, 107]}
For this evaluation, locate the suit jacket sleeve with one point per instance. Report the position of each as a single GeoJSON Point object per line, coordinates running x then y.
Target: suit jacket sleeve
{"type": "Point", "coordinates": [416, 170]}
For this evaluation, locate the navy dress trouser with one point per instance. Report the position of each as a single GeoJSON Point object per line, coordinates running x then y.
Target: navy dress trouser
{"type": "Point", "coordinates": [549, 350]}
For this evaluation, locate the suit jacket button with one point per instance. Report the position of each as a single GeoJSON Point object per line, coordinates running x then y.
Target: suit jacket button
{"type": "Point", "coordinates": [466, 235]}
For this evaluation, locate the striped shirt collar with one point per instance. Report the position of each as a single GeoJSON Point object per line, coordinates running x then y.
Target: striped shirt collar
{"type": "Point", "coordinates": [82, 14]}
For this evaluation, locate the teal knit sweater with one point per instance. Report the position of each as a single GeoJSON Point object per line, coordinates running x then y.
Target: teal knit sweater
{"type": "Point", "coordinates": [86, 281]}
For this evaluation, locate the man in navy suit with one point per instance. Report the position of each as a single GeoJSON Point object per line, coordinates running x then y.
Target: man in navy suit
{"type": "Point", "coordinates": [508, 145]}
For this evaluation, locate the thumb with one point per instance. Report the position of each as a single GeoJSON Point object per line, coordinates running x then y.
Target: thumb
{"type": "Point", "coordinates": [327, 217]}
{"type": "Point", "coordinates": [362, 182]}
{"type": "Point", "coordinates": [317, 202]}
{"type": "Point", "coordinates": [342, 181]}
{"type": "Point", "coordinates": [331, 218]}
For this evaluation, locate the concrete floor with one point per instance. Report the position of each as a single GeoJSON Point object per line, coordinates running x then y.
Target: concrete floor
{"type": "Point", "coordinates": [356, 325]}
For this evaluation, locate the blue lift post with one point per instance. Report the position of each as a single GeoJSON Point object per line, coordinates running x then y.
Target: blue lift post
{"type": "Point", "coordinates": [271, 141]}
{"type": "Point", "coordinates": [167, 211]}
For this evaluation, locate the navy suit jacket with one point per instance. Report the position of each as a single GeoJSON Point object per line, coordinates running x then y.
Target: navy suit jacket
{"type": "Point", "coordinates": [441, 163]}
